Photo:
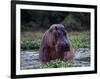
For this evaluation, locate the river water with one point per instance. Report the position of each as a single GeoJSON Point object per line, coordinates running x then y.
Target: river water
{"type": "Point", "coordinates": [30, 59]}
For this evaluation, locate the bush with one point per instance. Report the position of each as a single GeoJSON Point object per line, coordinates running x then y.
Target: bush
{"type": "Point", "coordinates": [30, 44]}
{"type": "Point", "coordinates": [72, 24]}
{"type": "Point", "coordinates": [57, 64]}
{"type": "Point", "coordinates": [80, 41]}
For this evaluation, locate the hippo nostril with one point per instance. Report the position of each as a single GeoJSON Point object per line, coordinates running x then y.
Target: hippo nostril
{"type": "Point", "coordinates": [67, 47]}
{"type": "Point", "coordinates": [62, 47]}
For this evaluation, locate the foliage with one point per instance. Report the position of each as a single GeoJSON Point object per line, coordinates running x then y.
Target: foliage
{"type": "Point", "coordinates": [57, 64]}
{"type": "Point", "coordinates": [30, 44]}
{"type": "Point", "coordinates": [80, 41]}
{"type": "Point", "coordinates": [71, 23]}
{"type": "Point", "coordinates": [38, 19]}
{"type": "Point", "coordinates": [77, 39]}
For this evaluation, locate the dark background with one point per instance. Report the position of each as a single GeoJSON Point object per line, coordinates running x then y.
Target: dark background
{"type": "Point", "coordinates": [40, 20]}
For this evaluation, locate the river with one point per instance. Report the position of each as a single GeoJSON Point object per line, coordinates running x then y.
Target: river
{"type": "Point", "coordinates": [30, 59]}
